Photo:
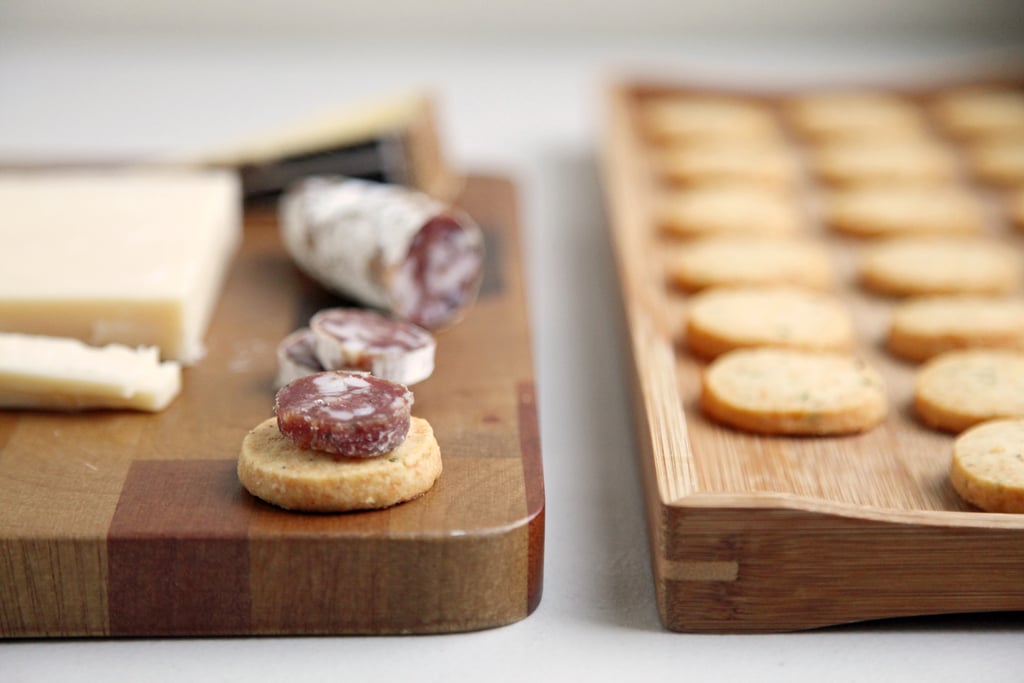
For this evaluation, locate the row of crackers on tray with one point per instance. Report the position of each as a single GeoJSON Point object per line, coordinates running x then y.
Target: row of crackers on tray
{"type": "Point", "coordinates": [846, 133]}
{"type": "Point", "coordinates": [882, 162]}
{"type": "Point", "coordinates": [780, 345]}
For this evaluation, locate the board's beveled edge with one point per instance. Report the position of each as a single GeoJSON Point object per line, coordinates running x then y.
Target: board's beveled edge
{"type": "Point", "coordinates": [533, 480]}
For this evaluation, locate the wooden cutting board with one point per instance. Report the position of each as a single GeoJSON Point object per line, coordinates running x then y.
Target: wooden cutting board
{"type": "Point", "coordinates": [125, 524]}
{"type": "Point", "coordinates": [757, 533]}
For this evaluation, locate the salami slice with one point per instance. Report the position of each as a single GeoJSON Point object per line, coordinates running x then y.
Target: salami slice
{"type": "Point", "coordinates": [385, 246]}
{"type": "Point", "coordinates": [296, 356]}
{"type": "Point", "coordinates": [357, 339]}
{"type": "Point", "coordinates": [350, 414]}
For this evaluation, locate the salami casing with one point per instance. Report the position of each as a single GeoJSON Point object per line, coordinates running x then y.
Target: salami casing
{"type": "Point", "coordinates": [384, 246]}
{"type": "Point", "coordinates": [349, 414]}
{"type": "Point", "coordinates": [296, 356]}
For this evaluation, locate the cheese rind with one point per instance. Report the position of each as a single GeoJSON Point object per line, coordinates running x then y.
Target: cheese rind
{"type": "Point", "coordinates": [134, 257]}
{"type": "Point", "coordinates": [65, 374]}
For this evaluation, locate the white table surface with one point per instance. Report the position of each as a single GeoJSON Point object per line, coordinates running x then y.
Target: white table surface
{"type": "Point", "coordinates": [531, 111]}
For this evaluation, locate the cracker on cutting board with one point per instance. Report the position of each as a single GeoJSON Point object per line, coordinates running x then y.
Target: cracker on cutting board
{"type": "Point", "coordinates": [274, 469]}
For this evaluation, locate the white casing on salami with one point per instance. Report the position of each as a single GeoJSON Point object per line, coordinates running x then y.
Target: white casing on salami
{"type": "Point", "coordinates": [355, 238]}
{"type": "Point", "coordinates": [296, 357]}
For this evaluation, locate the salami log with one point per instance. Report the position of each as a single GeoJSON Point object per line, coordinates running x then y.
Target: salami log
{"type": "Point", "coordinates": [384, 246]}
{"type": "Point", "coordinates": [349, 414]}
{"type": "Point", "coordinates": [358, 339]}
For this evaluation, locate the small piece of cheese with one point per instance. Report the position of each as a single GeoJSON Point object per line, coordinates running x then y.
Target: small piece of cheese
{"type": "Point", "coordinates": [65, 374]}
{"type": "Point", "coordinates": [348, 125]}
{"type": "Point", "coordinates": [388, 139]}
{"type": "Point", "coordinates": [134, 256]}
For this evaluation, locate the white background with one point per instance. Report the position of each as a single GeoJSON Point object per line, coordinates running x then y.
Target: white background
{"type": "Point", "coordinates": [519, 86]}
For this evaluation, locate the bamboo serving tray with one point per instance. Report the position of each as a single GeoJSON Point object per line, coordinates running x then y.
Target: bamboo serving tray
{"type": "Point", "coordinates": [125, 524]}
{"type": "Point", "coordinates": [751, 533]}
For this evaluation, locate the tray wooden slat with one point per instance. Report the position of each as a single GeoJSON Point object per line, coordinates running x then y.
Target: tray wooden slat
{"type": "Point", "coordinates": [115, 524]}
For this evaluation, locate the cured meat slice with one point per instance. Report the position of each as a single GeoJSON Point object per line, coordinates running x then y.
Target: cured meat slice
{"type": "Point", "coordinates": [357, 339]}
{"type": "Point", "coordinates": [385, 246]}
{"type": "Point", "coordinates": [346, 413]}
{"type": "Point", "coordinates": [296, 356]}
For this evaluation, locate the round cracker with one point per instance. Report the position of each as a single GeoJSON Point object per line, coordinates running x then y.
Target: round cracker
{"type": "Point", "coordinates": [855, 114]}
{"type": "Point", "coordinates": [982, 112]}
{"type": "Point", "coordinates": [1000, 161]}
{"type": "Point", "coordinates": [722, 319]}
{"type": "Point", "coordinates": [988, 466]}
{"type": "Point", "coordinates": [908, 162]}
{"type": "Point", "coordinates": [920, 329]}
{"type": "Point", "coordinates": [899, 211]}
{"type": "Point", "coordinates": [296, 357]}
{"type": "Point", "coordinates": [684, 119]}
{"type": "Point", "coordinates": [275, 470]}
{"type": "Point", "coordinates": [709, 210]}
{"type": "Point", "coordinates": [1015, 208]}
{"type": "Point", "coordinates": [929, 266]}
{"type": "Point", "coordinates": [959, 389]}
{"type": "Point", "coordinates": [729, 161]}
{"type": "Point", "coordinates": [735, 261]}
{"type": "Point", "coordinates": [784, 391]}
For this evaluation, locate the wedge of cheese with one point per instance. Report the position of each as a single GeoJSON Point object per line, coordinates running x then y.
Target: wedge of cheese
{"type": "Point", "coordinates": [64, 374]}
{"type": "Point", "coordinates": [134, 257]}
{"type": "Point", "coordinates": [388, 139]}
